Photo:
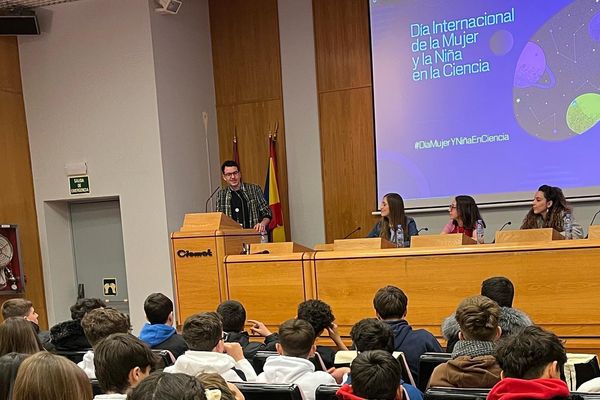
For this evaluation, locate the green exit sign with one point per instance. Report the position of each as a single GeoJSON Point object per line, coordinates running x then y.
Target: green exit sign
{"type": "Point", "coordinates": [79, 184]}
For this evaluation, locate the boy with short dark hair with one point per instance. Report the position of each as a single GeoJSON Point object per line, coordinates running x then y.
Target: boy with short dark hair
{"type": "Point", "coordinates": [473, 364]}
{"type": "Point", "coordinates": [391, 304]}
{"type": "Point", "coordinates": [296, 345]}
{"type": "Point", "coordinates": [121, 361]}
{"type": "Point", "coordinates": [203, 334]}
{"type": "Point", "coordinates": [23, 308]}
{"type": "Point", "coordinates": [69, 335]}
{"type": "Point", "coordinates": [159, 333]}
{"type": "Point", "coordinates": [97, 325]}
{"type": "Point", "coordinates": [233, 315]}
{"type": "Point", "coordinates": [531, 363]}
{"type": "Point", "coordinates": [376, 375]}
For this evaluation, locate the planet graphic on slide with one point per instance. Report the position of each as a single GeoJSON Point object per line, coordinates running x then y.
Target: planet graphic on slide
{"type": "Point", "coordinates": [594, 27]}
{"type": "Point", "coordinates": [501, 42]}
{"type": "Point", "coordinates": [531, 67]}
{"type": "Point", "coordinates": [583, 112]}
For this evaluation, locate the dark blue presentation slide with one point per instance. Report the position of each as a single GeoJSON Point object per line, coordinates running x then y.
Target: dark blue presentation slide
{"type": "Point", "coordinates": [479, 97]}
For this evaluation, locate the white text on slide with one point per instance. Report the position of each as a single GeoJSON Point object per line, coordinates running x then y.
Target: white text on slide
{"type": "Point", "coordinates": [440, 144]}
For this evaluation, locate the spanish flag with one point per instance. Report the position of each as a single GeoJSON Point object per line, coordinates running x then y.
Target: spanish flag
{"type": "Point", "coordinates": [272, 196]}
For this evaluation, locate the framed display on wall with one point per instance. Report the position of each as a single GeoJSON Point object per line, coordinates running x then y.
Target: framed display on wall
{"type": "Point", "coordinates": [11, 268]}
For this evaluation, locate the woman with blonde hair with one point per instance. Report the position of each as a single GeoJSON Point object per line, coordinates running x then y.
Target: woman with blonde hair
{"type": "Point", "coordinates": [17, 335]}
{"type": "Point", "coordinates": [45, 376]}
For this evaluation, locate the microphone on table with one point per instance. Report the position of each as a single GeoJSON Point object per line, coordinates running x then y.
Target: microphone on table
{"type": "Point", "coordinates": [353, 232]}
{"type": "Point", "coordinates": [211, 196]}
{"type": "Point", "coordinates": [592, 223]}
{"type": "Point", "coordinates": [502, 227]}
{"type": "Point", "coordinates": [422, 229]}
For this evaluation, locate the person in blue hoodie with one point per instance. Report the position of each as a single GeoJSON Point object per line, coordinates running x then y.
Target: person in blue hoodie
{"type": "Point", "coordinates": [390, 304]}
{"type": "Point", "coordinates": [159, 333]}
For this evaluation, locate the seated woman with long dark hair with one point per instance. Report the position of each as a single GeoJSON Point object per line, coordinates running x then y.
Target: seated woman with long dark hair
{"type": "Point", "coordinates": [464, 215]}
{"type": "Point", "coordinates": [392, 215]}
{"type": "Point", "coordinates": [548, 210]}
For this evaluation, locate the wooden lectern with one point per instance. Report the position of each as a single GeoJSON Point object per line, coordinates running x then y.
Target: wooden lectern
{"type": "Point", "coordinates": [447, 240]}
{"type": "Point", "coordinates": [199, 248]}
{"type": "Point", "coordinates": [528, 235]}
{"type": "Point", "coordinates": [362, 244]}
{"type": "Point", "coordinates": [278, 248]}
{"type": "Point", "coordinates": [594, 232]}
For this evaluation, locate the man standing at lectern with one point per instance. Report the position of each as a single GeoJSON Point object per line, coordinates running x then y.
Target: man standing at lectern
{"type": "Point", "coordinates": [243, 202]}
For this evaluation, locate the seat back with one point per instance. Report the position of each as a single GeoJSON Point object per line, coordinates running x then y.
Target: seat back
{"type": "Point", "coordinates": [96, 388]}
{"type": "Point", "coordinates": [326, 392]}
{"type": "Point", "coordinates": [258, 362]}
{"type": "Point", "coordinates": [580, 368]}
{"type": "Point", "coordinates": [75, 356]}
{"type": "Point", "coordinates": [269, 391]}
{"type": "Point", "coordinates": [427, 363]}
{"type": "Point", "coordinates": [439, 393]}
{"type": "Point", "coordinates": [165, 358]}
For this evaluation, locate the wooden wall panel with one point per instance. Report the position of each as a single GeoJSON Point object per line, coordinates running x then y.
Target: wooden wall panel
{"type": "Point", "coordinates": [247, 74]}
{"type": "Point", "coordinates": [348, 160]}
{"type": "Point", "coordinates": [245, 43]}
{"type": "Point", "coordinates": [342, 44]}
{"type": "Point", "coordinates": [345, 115]}
{"type": "Point", "coordinates": [17, 201]}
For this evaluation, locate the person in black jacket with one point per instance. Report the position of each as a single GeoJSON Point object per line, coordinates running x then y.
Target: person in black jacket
{"type": "Point", "coordinates": [159, 333]}
{"type": "Point", "coordinates": [233, 315]}
{"type": "Point", "coordinates": [68, 335]}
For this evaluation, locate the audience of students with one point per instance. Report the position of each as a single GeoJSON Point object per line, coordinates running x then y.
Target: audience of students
{"type": "Point", "coordinates": [531, 362]}
{"type": "Point", "coordinates": [233, 315]}
{"type": "Point", "coordinates": [501, 290]}
{"type": "Point", "coordinates": [472, 364]}
{"type": "Point", "coordinates": [98, 324]}
{"type": "Point", "coordinates": [391, 305]}
{"type": "Point", "coordinates": [375, 375]}
{"type": "Point", "coordinates": [121, 361]}
{"type": "Point", "coordinates": [69, 335]}
{"type": "Point", "coordinates": [45, 376]}
{"type": "Point", "coordinates": [18, 336]}
{"type": "Point", "coordinates": [159, 333]}
{"type": "Point", "coordinates": [319, 315]}
{"type": "Point", "coordinates": [208, 352]}
{"type": "Point", "coordinates": [296, 345]}
{"type": "Point", "coordinates": [9, 365]}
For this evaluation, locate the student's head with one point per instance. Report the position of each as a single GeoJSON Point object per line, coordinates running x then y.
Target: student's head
{"type": "Point", "coordinates": [231, 173]}
{"type": "Point", "coordinates": [464, 210]}
{"type": "Point", "coordinates": [530, 354]}
{"type": "Point", "coordinates": [392, 214]}
{"type": "Point", "coordinates": [478, 317]}
{"type": "Point", "coordinates": [296, 338]}
{"type": "Point", "coordinates": [166, 386]}
{"type": "Point", "coordinates": [376, 375]}
{"type": "Point", "coordinates": [317, 313]}
{"type": "Point", "coordinates": [19, 308]}
{"type": "Point", "coordinates": [82, 306]}
{"type": "Point", "coordinates": [233, 315]}
{"type": "Point", "coordinates": [547, 199]}
{"type": "Point", "coordinates": [390, 303]}
{"type": "Point", "coordinates": [158, 309]}
{"type": "Point", "coordinates": [204, 332]}
{"type": "Point", "coordinates": [216, 382]}
{"type": "Point", "coordinates": [45, 376]}
{"type": "Point", "coordinates": [101, 322]}
{"type": "Point", "coordinates": [9, 365]}
{"type": "Point", "coordinates": [372, 334]}
{"type": "Point", "coordinates": [499, 289]}
{"type": "Point", "coordinates": [17, 335]}
{"type": "Point", "coordinates": [121, 361]}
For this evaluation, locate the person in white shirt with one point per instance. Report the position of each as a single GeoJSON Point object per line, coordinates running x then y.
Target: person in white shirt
{"type": "Point", "coordinates": [208, 352]}
{"type": "Point", "coordinates": [296, 345]}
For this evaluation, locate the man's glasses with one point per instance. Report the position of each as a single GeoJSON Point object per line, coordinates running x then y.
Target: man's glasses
{"type": "Point", "coordinates": [231, 174]}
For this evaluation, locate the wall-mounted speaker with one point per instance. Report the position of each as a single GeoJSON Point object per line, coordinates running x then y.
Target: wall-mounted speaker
{"type": "Point", "coordinates": [22, 23]}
